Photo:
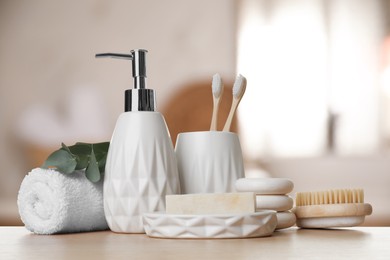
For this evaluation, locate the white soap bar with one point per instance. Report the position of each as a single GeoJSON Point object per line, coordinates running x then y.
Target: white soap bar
{"type": "Point", "coordinates": [211, 203]}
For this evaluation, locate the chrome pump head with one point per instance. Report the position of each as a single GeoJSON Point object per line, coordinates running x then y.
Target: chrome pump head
{"type": "Point", "coordinates": [140, 98]}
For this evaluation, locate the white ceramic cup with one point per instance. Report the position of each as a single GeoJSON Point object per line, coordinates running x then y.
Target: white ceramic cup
{"type": "Point", "coordinates": [209, 161]}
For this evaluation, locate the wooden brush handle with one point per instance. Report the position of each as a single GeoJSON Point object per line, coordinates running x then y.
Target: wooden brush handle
{"type": "Point", "coordinates": [333, 210]}
{"type": "Point", "coordinates": [214, 118]}
{"type": "Point", "coordinates": [229, 120]}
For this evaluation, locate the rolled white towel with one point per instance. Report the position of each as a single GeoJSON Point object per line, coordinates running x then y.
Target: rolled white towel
{"type": "Point", "coordinates": [51, 202]}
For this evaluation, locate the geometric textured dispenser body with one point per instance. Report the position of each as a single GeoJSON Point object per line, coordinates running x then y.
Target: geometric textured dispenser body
{"type": "Point", "coordinates": [141, 169]}
{"type": "Point", "coordinates": [141, 165]}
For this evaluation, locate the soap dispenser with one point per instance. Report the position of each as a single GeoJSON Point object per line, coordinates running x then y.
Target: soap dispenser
{"type": "Point", "coordinates": [141, 166]}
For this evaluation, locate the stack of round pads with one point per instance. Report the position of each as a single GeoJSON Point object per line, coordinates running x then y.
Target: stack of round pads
{"type": "Point", "coordinates": [271, 194]}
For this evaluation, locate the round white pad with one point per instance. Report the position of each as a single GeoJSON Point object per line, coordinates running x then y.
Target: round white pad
{"type": "Point", "coordinates": [274, 202]}
{"type": "Point", "coordinates": [265, 186]}
{"type": "Point", "coordinates": [285, 219]}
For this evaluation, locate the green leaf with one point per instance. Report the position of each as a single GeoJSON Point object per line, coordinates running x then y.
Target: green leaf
{"type": "Point", "coordinates": [82, 162]}
{"type": "Point", "coordinates": [82, 143]}
{"type": "Point", "coordinates": [66, 148]}
{"type": "Point", "coordinates": [101, 147]}
{"type": "Point", "coordinates": [92, 172]}
{"type": "Point", "coordinates": [102, 163]}
{"type": "Point", "coordinates": [82, 152]}
{"type": "Point", "coordinates": [81, 148]}
{"type": "Point", "coordinates": [101, 150]}
{"type": "Point", "coordinates": [62, 160]}
{"type": "Point", "coordinates": [91, 157]}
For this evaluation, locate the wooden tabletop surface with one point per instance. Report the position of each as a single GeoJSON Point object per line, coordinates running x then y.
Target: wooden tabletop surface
{"type": "Point", "coordinates": [352, 243]}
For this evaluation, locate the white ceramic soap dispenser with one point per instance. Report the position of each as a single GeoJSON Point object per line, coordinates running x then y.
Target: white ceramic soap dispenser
{"type": "Point", "coordinates": [141, 166]}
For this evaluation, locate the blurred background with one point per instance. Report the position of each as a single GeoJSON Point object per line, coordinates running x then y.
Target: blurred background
{"type": "Point", "coordinates": [316, 110]}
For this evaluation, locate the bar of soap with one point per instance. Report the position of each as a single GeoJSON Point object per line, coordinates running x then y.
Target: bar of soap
{"type": "Point", "coordinates": [211, 203]}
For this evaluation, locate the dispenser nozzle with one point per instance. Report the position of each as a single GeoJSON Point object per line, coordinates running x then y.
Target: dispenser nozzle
{"type": "Point", "coordinates": [140, 98]}
{"type": "Point", "coordinates": [114, 55]}
{"type": "Point", "coordinates": [139, 64]}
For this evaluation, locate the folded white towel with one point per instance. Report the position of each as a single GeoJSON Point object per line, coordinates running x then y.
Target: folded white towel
{"type": "Point", "coordinates": [51, 202]}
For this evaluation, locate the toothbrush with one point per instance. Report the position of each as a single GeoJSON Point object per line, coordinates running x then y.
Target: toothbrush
{"type": "Point", "coordinates": [238, 91]}
{"type": "Point", "coordinates": [217, 88]}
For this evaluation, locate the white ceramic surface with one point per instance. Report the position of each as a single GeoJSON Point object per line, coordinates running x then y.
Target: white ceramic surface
{"type": "Point", "coordinates": [286, 219]}
{"type": "Point", "coordinates": [257, 224]}
{"type": "Point", "coordinates": [265, 186]}
{"type": "Point", "coordinates": [141, 169]}
{"type": "Point", "coordinates": [274, 202]}
{"type": "Point", "coordinates": [209, 161]}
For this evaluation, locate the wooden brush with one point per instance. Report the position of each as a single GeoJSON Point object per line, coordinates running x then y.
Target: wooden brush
{"type": "Point", "coordinates": [332, 208]}
{"type": "Point", "coordinates": [239, 88]}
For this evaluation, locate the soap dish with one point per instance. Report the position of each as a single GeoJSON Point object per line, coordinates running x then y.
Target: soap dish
{"type": "Point", "coordinates": [162, 225]}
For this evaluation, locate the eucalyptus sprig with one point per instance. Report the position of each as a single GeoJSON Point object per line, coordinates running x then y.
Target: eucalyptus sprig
{"type": "Point", "coordinates": [91, 157]}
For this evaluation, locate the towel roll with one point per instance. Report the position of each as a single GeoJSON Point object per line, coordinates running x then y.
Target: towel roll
{"type": "Point", "coordinates": [50, 202]}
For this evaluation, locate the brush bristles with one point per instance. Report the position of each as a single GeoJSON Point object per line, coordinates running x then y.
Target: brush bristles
{"type": "Point", "coordinates": [238, 86]}
{"type": "Point", "coordinates": [330, 197]}
{"type": "Point", "coordinates": [217, 85]}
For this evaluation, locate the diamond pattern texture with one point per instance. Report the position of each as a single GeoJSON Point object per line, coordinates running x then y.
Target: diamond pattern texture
{"type": "Point", "coordinates": [141, 169]}
{"type": "Point", "coordinates": [163, 225]}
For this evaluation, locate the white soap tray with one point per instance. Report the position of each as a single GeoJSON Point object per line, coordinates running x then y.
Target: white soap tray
{"type": "Point", "coordinates": [162, 225]}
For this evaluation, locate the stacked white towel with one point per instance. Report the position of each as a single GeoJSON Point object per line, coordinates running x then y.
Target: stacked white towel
{"type": "Point", "coordinates": [51, 202]}
{"type": "Point", "coordinates": [271, 193]}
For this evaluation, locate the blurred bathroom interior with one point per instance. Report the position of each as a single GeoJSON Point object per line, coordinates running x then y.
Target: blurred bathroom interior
{"type": "Point", "coordinates": [316, 108]}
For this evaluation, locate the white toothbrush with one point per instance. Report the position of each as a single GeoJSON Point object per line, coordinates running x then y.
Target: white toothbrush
{"type": "Point", "coordinates": [217, 88]}
{"type": "Point", "coordinates": [238, 91]}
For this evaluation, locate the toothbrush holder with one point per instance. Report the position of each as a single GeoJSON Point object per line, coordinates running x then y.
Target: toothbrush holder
{"type": "Point", "coordinates": [209, 161]}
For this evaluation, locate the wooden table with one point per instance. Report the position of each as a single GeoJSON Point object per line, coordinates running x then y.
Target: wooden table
{"type": "Point", "coordinates": [353, 243]}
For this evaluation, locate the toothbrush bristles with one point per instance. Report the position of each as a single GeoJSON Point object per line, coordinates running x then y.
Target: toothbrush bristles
{"type": "Point", "coordinates": [217, 85]}
{"type": "Point", "coordinates": [239, 86]}
{"type": "Point", "coordinates": [238, 91]}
